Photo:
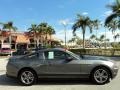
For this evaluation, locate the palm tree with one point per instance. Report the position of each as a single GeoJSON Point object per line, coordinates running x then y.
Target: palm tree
{"type": "Point", "coordinates": [96, 24]}
{"type": "Point", "coordinates": [114, 18]}
{"type": "Point", "coordinates": [113, 25]}
{"type": "Point", "coordinates": [72, 40]}
{"type": "Point", "coordinates": [43, 29]}
{"type": "Point", "coordinates": [117, 36]}
{"type": "Point", "coordinates": [51, 31]}
{"type": "Point", "coordinates": [83, 22]}
{"type": "Point", "coordinates": [93, 37]}
{"type": "Point", "coordinates": [9, 26]}
{"type": "Point", "coordinates": [34, 30]}
{"type": "Point", "coordinates": [102, 38]}
{"type": "Point", "coordinates": [115, 7]}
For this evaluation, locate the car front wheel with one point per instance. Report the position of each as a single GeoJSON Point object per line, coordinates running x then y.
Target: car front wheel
{"type": "Point", "coordinates": [27, 77]}
{"type": "Point", "coordinates": [101, 75]}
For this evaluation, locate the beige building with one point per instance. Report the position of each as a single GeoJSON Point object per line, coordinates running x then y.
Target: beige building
{"type": "Point", "coordinates": [23, 40]}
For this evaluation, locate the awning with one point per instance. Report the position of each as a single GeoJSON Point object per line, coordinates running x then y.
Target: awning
{"type": "Point", "coordinates": [22, 39]}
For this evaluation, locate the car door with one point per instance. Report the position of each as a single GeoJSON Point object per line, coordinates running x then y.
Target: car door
{"type": "Point", "coordinates": [56, 63]}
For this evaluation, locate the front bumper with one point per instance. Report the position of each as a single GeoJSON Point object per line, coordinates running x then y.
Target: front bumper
{"type": "Point", "coordinates": [115, 72]}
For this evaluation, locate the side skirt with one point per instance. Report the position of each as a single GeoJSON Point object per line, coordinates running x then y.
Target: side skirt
{"type": "Point", "coordinates": [63, 76]}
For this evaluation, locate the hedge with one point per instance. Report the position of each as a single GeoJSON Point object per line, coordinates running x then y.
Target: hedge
{"type": "Point", "coordinates": [104, 52]}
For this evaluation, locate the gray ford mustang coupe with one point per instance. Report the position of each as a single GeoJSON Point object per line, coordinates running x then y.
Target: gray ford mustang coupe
{"type": "Point", "coordinates": [60, 63]}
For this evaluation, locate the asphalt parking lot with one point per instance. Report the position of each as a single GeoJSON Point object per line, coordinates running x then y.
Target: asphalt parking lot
{"type": "Point", "coordinates": [12, 84]}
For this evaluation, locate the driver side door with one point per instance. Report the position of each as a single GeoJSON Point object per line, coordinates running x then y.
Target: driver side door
{"type": "Point", "coordinates": [57, 63]}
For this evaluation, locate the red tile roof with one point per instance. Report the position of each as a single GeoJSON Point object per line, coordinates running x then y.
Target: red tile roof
{"type": "Point", "coordinates": [22, 39]}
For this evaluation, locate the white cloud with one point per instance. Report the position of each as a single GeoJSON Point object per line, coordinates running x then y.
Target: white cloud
{"type": "Point", "coordinates": [107, 13]}
{"type": "Point", "coordinates": [65, 22]}
{"type": "Point", "coordinates": [85, 13]}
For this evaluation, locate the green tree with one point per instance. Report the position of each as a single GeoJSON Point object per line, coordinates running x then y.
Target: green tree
{"type": "Point", "coordinates": [96, 25]}
{"type": "Point", "coordinates": [83, 22]}
{"type": "Point", "coordinates": [102, 41]}
{"type": "Point", "coordinates": [72, 40]}
{"type": "Point", "coordinates": [34, 30]}
{"type": "Point", "coordinates": [93, 38]}
{"type": "Point", "coordinates": [9, 26]}
{"type": "Point", "coordinates": [113, 26]}
{"type": "Point", "coordinates": [43, 28]}
{"type": "Point", "coordinates": [46, 30]}
{"type": "Point", "coordinates": [115, 7]}
{"type": "Point", "coordinates": [117, 36]}
{"type": "Point", "coordinates": [102, 38]}
{"type": "Point", "coordinates": [50, 31]}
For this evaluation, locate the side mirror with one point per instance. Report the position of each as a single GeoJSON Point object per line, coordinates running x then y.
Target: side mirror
{"type": "Point", "coordinates": [81, 56]}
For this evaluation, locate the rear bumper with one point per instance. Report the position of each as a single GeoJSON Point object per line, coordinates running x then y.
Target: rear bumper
{"type": "Point", "coordinates": [11, 70]}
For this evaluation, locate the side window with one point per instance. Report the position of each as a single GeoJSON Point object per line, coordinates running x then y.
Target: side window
{"type": "Point", "coordinates": [32, 56]}
{"type": "Point", "coordinates": [60, 55]}
{"type": "Point", "coordinates": [55, 55]}
{"type": "Point", "coordinates": [41, 56]}
{"type": "Point", "coordinates": [49, 55]}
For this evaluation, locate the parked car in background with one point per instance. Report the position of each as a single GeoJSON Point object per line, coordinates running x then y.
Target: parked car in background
{"type": "Point", "coordinates": [5, 51]}
{"type": "Point", "coordinates": [60, 63]}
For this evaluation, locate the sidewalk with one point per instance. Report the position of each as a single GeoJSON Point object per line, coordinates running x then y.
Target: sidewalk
{"type": "Point", "coordinates": [3, 63]}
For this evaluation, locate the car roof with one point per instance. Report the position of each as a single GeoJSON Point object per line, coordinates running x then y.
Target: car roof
{"type": "Point", "coordinates": [49, 49]}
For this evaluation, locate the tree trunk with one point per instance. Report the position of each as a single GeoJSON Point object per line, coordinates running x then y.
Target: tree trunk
{"type": "Point", "coordinates": [50, 42]}
{"type": "Point", "coordinates": [114, 38]}
{"type": "Point", "coordinates": [40, 39]}
{"type": "Point", "coordinates": [46, 40]}
{"type": "Point", "coordinates": [10, 37]}
{"type": "Point", "coordinates": [83, 41]}
{"type": "Point", "coordinates": [105, 40]}
{"type": "Point", "coordinates": [35, 43]}
{"type": "Point", "coordinates": [83, 28]}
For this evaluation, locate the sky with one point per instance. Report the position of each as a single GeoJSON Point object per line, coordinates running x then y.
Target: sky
{"type": "Point", "coordinates": [23, 13]}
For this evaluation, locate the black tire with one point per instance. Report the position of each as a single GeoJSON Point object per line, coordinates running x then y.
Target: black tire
{"type": "Point", "coordinates": [33, 77]}
{"type": "Point", "coordinates": [97, 80]}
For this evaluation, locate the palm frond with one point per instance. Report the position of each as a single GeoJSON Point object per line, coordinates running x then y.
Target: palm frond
{"type": "Point", "coordinates": [110, 18]}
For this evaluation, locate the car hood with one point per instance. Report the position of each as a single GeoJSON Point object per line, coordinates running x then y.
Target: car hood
{"type": "Point", "coordinates": [97, 59]}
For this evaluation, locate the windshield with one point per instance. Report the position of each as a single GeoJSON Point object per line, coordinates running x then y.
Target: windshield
{"type": "Point", "coordinates": [73, 54]}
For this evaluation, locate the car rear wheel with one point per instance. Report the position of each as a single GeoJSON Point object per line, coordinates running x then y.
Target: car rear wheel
{"type": "Point", "coordinates": [101, 75]}
{"type": "Point", "coordinates": [27, 77]}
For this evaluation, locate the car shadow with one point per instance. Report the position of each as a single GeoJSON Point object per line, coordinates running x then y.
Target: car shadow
{"type": "Point", "coordinates": [6, 81]}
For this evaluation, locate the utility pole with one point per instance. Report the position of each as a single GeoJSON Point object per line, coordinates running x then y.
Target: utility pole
{"type": "Point", "coordinates": [64, 23]}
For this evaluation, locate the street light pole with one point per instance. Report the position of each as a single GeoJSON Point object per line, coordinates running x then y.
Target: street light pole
{"type": "Point", "coordinates": [65, 35]}
{"type": "Point", "coordinates": [105, 39]}
{"type": "Point", "coordinates": [64, 23]}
